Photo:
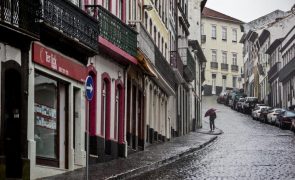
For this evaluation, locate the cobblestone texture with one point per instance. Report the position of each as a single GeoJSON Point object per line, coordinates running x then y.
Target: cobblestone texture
{"type": "Point", "coordinates": [247, 149]}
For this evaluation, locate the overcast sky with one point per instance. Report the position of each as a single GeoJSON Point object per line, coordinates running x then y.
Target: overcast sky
{"type": "Point", "coordinates": [248, 10]}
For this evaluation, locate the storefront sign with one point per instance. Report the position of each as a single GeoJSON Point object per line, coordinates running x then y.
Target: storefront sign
{"type": "Point", "coordinates": [58, 63]}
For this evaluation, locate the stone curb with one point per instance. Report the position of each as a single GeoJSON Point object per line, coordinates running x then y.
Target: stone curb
{"type": "Point", "coordinates": [153, 166]}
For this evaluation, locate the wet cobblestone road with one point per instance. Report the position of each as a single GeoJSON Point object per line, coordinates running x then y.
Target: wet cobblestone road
{"type": "Point", "coordinates": [247, 149]}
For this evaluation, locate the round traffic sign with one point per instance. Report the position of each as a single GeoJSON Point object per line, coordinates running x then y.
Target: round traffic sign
{"type": "Point", "coordinates": [89, 88]}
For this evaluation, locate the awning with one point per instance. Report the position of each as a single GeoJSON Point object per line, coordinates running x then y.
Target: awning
{"type": "Point", "coordinates": [145, 64]}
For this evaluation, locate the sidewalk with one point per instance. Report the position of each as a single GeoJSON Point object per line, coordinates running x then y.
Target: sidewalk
{"type": "Point", "coordinates": [151, 158]}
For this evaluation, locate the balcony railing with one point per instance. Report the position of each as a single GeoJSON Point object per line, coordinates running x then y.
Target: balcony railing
{"type": "Point", "coordinates": [145, 42]}
{"type": "Point", "coordinates": [203, 39]}
{"type": "Point", "coordinates": [234, 68]}
{"type": "Point", "coordinates": [22, 14]}
{"type": "Point", "coordinates": [214, 65]}
{"type": "Point", "coordinates": [175, 61]}
{"type": "Point", "coordinates": [117, 32]}
{"type": "Point", "coordinates": [71, 21]}
{"type": "Point", "coordinates": [224, 67]}
{"type": "Point", "coordinates": [190, 67]}
{"type": "Point", "coordinates": [273, 70]}
{"type": "Point", "coordinates": [164, 68]}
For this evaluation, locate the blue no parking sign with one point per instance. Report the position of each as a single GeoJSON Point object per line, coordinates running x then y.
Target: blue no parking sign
{"type": "Point", "coordinates": [89, 88]}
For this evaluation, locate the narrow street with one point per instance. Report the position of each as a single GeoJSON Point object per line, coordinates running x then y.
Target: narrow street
{"type": "Point", "coordinates": [247, 149]}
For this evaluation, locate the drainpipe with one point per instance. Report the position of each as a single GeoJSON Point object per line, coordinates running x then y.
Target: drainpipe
{"type": "Point", "coordinates": [126, 69]}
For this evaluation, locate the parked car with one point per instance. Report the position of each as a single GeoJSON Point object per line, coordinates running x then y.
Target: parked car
{"type": "Point", "coordinates": [249, 104]}
{"type": "Point", "coordinates": [293, 125]}
{"type": "Point", "coordinates": [221, 98]}
{"type": "Point", "coordinates": [263, 113]}
{"type": "Point", "coordinates": [272, 115]}
{"type": "Point", "coordinates": [285, 119]}
{"type": "Point", "coordinates": [235, 99]}
{"type": "Point", "coordinates": [256, 112]}
{"type": "Point", "coordinates": [239, 104]}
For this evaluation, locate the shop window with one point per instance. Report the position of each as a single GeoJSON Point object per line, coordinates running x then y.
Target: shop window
{"type": "Point", "coordinates": [51, 123]}
{"type": "Point", "coordinates": [46, 117]}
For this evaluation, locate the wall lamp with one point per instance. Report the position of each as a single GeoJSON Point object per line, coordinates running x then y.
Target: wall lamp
{"type": "Point", "coordinates": [148, 7]}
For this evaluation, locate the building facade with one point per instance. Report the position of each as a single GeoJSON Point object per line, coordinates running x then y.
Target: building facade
{"type": "Point", "coordinates": [129, 48]}
{"type": "Point", "coordinates": [261, 65]}
{"type": "Point", "coordinates": [223, 52]}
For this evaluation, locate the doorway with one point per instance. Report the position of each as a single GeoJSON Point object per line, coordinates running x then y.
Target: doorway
{"type": "Point", "coordinates": [11, 117]}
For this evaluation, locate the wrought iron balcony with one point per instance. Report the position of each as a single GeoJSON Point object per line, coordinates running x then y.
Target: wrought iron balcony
{"type": "Point", "coordinates": [175, 61]}
{"type": "Point", "coordinates": [234, 68]}
{"type": "Point", "coordinates": [224, 67]}
{"type": "Point", "coordinates": [214, 65]}
{"type": "Point", "coordinates": [21, 14]}
{"type": "Point", "coordinates": [273, 70]}
{"type": "Point", "coordinates": [164, 68]}
{"type": "Point", "coordinates": [71, 21]}
{"type": "Point", "coordinates": [190, 67]}
{"type": "Point", "coordinates": [117, 32]}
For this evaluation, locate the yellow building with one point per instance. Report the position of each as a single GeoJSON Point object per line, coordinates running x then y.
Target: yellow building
{"type": "Point", "coordinates": [219, 37]}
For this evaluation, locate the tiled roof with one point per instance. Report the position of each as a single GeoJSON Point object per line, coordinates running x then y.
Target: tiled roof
{"type": "Point", "coordinates": [207, 12]}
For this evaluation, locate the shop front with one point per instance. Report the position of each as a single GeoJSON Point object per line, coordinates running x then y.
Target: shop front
{"type": "Point", "coordinates": [56, 111]}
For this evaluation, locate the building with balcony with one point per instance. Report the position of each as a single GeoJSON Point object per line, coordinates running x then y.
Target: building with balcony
{"type": "Point", "coordinates": [261, 67]}
{"type": "Point", "coordinates": [45, 104]}
{"type": "Point", "coordinates": [220, 34]}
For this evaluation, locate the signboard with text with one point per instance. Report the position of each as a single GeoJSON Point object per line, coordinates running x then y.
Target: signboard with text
{"type": "Point", "coordinates": [59, 63]}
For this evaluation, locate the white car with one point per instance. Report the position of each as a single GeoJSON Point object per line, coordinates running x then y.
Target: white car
{"type": "Point", "coordinates": [256, 111]}
{"type": "Point", "coordinates": [272, 115]}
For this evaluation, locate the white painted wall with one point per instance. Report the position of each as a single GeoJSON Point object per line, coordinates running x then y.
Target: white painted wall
{"type": "Point", "coordinates": [220, 46]}
{"type": "Point", "coordinates": [105, 64]}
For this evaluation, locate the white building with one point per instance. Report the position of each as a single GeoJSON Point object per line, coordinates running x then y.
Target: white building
{"type": "Point", "coordinates": [219, 36]}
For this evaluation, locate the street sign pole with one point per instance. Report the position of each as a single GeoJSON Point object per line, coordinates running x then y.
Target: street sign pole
{"type": "Point", "coordinates": [87, 141]}
{"type": "Point", "coordinates": [89, 91]}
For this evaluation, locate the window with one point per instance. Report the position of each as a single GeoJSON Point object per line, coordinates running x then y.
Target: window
{"type": "Point", "coordinates": [134, 10]}
{"type": "Point", "coordinates": [202, 29]}
{"type": "Point", "coordinates": [155, 35]}
{"type": "Point", "coordinates": [151, 27]}
{"type": "Point", "coordinates": [235, 35]}
{"type": "Point", "coordinates": [106, 4]}
{"type": "Point", "coordinates": [214, 56]}
{"type": "Point", "coordinates": [224, 33]}
{"type": "Point", "coordinates": [159, 40]}
{"type": "Point", "coordinates": [213, 83]}
{"type": "Point", "coordinates": [223, 83]}
{"type": "Point", "coordinates": [162, 46]}
{"type": "Point", "coordinates": [234, 82]}
{"type": "Point", "coordinates": [50, 121]}
{"type": "Point", "coordinates": [120, 9]}
{"type": "Point", "coordinates": [46, 120]}
{"type": "Point", "coordinates": [234, 58]}
{"type": "Point", "coordinates": [213, 32]}
{"type": "Point", "coordinates": [224, 57]}
{"type": "Point", "coordinates": [146, 20]}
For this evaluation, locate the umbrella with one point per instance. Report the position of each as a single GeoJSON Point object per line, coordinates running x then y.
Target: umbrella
{"type": "Point", "coordinates": [209, 112]}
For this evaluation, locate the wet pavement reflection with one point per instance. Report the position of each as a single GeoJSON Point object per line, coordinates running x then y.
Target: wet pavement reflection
{"type": "Point", "coordinates": [247, 149]}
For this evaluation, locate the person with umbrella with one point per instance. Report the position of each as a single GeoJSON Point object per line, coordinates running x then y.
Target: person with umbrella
{"type": "Point", "coordinates": [212, 116]}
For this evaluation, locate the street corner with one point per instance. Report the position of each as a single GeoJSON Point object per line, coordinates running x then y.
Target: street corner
{"type": "Point", "coordinates": [208, 131]}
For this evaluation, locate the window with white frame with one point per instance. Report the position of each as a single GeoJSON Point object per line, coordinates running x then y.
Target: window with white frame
{"type": "Point", "coordinates": [234, 81]}
{"type": "Point", "coordinates": [213, 32]}
{"type": "Point", "coordinates": [224, 33]}
{"type": "Point", "coordinates": [235, 35]}
{"type": "Point", "coordinates": [106, 4]}
{"type": "Point", "coordinates": [214, 55]}
{"type": "Point", "coordinates": [234, 58]}
{"type": "Point", "coordinates": [224, 57]}
{"type": "Point", "coordinates": [202, 29]}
